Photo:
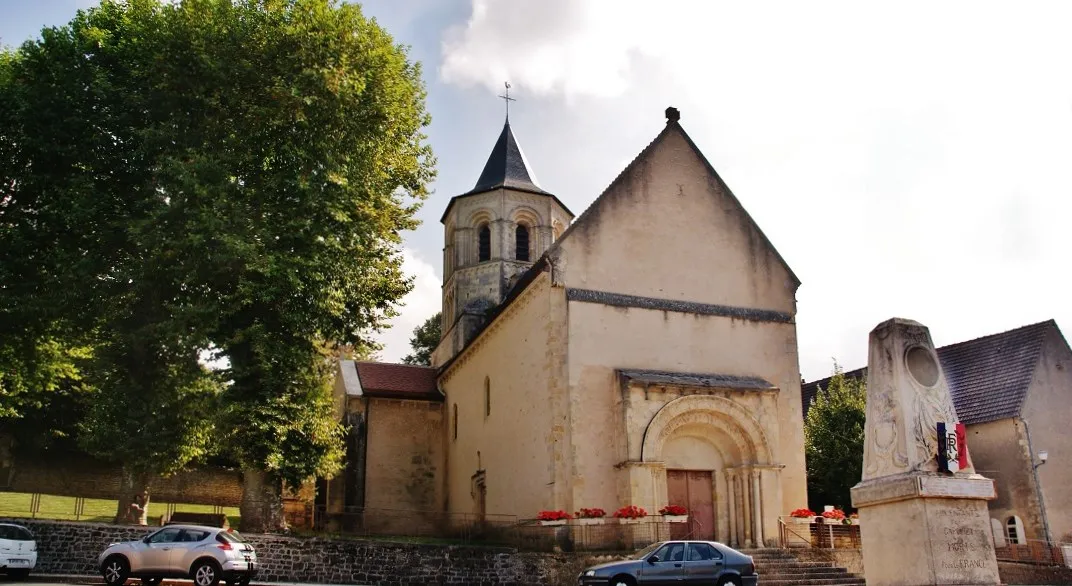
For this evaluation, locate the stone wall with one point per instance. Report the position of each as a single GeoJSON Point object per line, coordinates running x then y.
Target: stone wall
{"type": "Point", "coordinates": [72, 548]}
{"type": "Point", "coordinates": [84, 477]}
{"type": "Point", "coordinates": [1014, 573]}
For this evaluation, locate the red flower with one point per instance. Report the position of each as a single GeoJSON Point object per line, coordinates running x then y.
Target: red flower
{"type": "Point", "coordinates": [630, 512]}
{"type": "Point", "coordinates": [591, 513]}
{"type": "Point", "coordinates": [553, 516]}
{"type": "Point", "coordinates": [673, 510]}
{"type": "Point", "coordinates": [836, 514]}
{"type": "Point", "coordinates": [802, 513]}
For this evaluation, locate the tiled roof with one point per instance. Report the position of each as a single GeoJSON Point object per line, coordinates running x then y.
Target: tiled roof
{"type": "Point", "coordinates": [988, 377]}
{"type": "Point", "coordinates": [721, 381]}
{"type": "Point", "coordinates": [398, 381]}
{"type": "Point", "coordinates": [506, 168]}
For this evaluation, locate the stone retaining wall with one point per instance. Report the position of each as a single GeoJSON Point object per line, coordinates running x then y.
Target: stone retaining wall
{"type": "Point", "coordinates": [72, 548]}
{"type": "Point", "coordinates": [1017, 573]}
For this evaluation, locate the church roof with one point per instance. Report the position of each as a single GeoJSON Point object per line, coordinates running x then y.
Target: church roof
{"type": "Point", "coordinates": [507, 168]}
{"type": "Point", "coordinates": [394, 381]}
{"type": "Point", "coordinates": [988, 377]}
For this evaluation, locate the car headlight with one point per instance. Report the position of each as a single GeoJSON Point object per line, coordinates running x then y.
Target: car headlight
{"type": "Point", "coordinates": [590, 573]}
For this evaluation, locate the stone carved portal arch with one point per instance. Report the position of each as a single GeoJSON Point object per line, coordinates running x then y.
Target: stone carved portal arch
{"type": "Point", "coordinates": [725, 419]}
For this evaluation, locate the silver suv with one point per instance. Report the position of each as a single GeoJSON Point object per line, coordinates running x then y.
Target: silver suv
{"type": "Point", "coordinates": [204, 554]}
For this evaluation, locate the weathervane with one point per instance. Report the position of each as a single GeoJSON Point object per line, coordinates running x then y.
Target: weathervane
{"type": "Point", "coordinates": [507, 99]}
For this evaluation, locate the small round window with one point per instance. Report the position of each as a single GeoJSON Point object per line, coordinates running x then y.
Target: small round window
{"type": "Point", "coordinates": [922, 366]}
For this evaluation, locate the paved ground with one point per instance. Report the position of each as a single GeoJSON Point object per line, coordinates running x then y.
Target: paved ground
{"type": "Point", "coordinates": [52, 580]}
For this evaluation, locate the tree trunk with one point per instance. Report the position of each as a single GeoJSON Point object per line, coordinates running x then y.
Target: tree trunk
{"type": "Point", "coordinates": [133, 489]}
{"type": "Point", "coordinates": [262, 503]}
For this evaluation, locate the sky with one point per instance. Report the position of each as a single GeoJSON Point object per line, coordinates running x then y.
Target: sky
{"type": "Point", "coordinates": [907, 159]}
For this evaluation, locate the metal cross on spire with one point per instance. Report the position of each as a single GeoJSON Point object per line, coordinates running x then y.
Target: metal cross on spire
{"type": "Point", "coordinates": [507, 99]}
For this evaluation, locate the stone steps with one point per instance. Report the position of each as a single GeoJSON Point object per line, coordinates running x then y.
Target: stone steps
{"type": "Point", "coordinates": [778, 567]}
{"type": "Point", "coordinates": [813, 582]}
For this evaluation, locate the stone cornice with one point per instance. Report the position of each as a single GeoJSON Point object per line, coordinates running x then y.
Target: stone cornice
{"type": "Point", "coordinates": [654, 303]}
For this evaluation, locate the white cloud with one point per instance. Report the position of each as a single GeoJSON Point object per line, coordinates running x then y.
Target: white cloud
{"type": "Point", "coordinates": [906, 159]}
{"type": "Point", "coordinates": [420, 304]}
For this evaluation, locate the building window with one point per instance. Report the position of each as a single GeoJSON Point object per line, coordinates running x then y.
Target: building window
{"type": "Point", "coordinates": [484, 244]}
{"type": "Point", "coordinates": [487, 396]}
{"type": "Point", "coordinates": [1014, 530]}
{"type": "Point", "coordinates": [521, 237]}
{"type": "Point", "coordinates": [454, 421]}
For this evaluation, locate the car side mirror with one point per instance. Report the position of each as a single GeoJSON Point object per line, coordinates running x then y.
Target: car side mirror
{"type": "Point", "coordinates": [653, 559]}
{"type": "Point", "coordinates": [145, 539]}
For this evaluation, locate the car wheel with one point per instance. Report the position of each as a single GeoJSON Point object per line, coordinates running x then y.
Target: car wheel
{"type": "Point", "coordinates": [206, 573]}
{"type": "Point", "coordinates": [623, 581]}
{"type": "Point", "coordinates": [115, 570]}
{"type": "Point", "coordinates": [19, 574]}
{"type": "Point", "coordinates": [729, 580]}
{"type": "Point", "coordinates": [243, 581]}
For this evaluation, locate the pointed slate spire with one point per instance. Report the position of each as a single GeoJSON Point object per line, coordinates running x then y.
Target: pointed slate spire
{"type": "Point", "coordinates": [507, 167]}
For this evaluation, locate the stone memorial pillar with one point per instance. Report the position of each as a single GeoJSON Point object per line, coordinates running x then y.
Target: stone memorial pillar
{"type": "Point", "coordinates": [918, 524]}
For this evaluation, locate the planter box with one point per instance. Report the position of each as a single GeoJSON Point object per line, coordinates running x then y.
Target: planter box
{"type": "Point", "coordinates": [591, 521]}
{"type": "Point", "coordinates": [553, 523]}
{"type": "Point", "coordinates": [801, 520]}
{"type": "Point", "coordinates": [629, 521]}
{"type": "Point", "coordinates": [676, 518]}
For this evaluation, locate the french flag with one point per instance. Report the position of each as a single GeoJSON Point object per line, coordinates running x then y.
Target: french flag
{"type": "Point", "coordinates": [952, 447]}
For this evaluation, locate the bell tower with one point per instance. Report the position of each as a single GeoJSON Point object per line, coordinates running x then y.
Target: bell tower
{"type": "Point", "coordinates": [493, 234]}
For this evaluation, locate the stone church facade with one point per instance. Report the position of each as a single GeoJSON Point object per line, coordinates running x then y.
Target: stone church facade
{"type": "Point", "coordinates": [643, 353]}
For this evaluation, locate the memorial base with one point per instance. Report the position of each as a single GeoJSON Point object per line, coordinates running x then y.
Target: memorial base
{"type": "Point", "coordinates": [926, 529]}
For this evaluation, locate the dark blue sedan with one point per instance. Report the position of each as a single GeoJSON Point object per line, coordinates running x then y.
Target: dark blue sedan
{"type": "Point", "coordinates": [677, 562]}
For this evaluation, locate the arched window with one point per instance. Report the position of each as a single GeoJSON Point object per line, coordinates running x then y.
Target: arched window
{"type": "Point", "coordinates": [484, 243]}
{"type": "Point", "coordinates": [454, 423]}
{"type": "Point", "coordinates": [521, 239]}
{"type": "Point", "coordinates": [487, 396]}
{"type": "Point", "coordinates": [1014, 530]}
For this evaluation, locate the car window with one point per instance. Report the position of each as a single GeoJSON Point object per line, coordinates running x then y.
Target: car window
{"type": "Point", "coordinates": [699, 552]}
{"type": "Point", "coordinates": [193, 535]}
{"type": "Point", "coordinates": [232, 536]}
{"type": "Point", "coordinates": [671, 552]}
{"type": "Point", "coordinates": [169, 535]}
{"type": "Point", "coordinates": [20, 534]}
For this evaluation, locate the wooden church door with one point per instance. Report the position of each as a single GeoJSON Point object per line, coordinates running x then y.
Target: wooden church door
{"type": "Point", "coordinates": [693, 490]}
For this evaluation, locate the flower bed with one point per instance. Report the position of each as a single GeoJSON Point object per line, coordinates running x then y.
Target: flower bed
{"type": "Point", "coordinates": [802, 516]}
{"type": "Point", "coordinates": [630, 514]}
{"type": "Point", "coordinates": [553, 517]}
{"type": "Point", "coordinates": [590, 516]}
{"type": "Point", "coordinates": [674, 514]}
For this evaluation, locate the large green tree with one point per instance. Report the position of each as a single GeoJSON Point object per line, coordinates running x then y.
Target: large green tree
{"type": "Point", "coordinates": [424, 341]}
{"type": "Point", "coordinates": [834, 440]}
{"type": "Point", "coordinates": [88, 249]}
{"type": "Point", "coordinates": [245, 167]}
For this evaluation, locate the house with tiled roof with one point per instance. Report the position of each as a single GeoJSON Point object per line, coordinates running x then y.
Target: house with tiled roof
{"type": "Point", "coordinates": [643, 353]}
{"type": "Point", "coordinates": [1013, 391]}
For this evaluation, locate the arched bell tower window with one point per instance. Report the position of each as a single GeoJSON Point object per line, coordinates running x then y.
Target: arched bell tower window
{"type": "Point", "coordinates": [484, 243]}
{"type": "Point", "coordinates": [521, 238]}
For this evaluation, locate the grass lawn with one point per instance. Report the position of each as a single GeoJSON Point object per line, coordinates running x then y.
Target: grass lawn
{"type": "Point", "coordinates": [17, 504]}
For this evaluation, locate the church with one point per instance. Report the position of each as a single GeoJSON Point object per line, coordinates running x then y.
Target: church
{"type": "Point", "coordinates": [643, 353]}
